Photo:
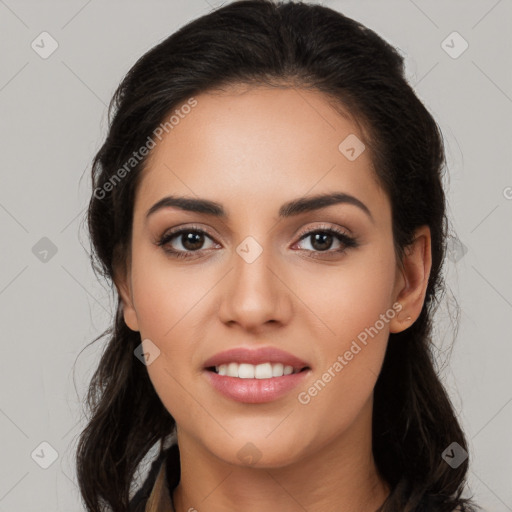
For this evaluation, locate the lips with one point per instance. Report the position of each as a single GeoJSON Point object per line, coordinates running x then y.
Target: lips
{"type": "Point", "coordinates": [230, 373]}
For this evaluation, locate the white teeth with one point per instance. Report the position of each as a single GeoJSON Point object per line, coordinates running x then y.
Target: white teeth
{"type": "Point", "coordinates": [277, 370]}
{"type": "Point", "coordinates": [245, 371]}
{"type": "Point", "coordinates": [263, 371]}
{"type": "Point", "coordinates": [232, 370]}
{"type": "Point", "coordinates": [251, 371]}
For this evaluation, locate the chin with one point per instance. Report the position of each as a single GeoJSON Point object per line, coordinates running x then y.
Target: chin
{"type": "Point", "coordinates": [258, 452]}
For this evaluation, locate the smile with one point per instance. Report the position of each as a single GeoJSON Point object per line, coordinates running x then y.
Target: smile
{"type": "Point", "coordinates": [255, 375]}
{"type": "Point", "coordinates": [252, 371]}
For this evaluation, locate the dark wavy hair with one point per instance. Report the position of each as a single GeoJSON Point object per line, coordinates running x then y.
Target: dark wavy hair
{"type": "Point", "coordinates": [277, 44]}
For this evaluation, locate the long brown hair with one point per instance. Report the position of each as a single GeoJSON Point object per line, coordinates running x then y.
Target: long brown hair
{"type": "Point", "coordinates": [309, 46]}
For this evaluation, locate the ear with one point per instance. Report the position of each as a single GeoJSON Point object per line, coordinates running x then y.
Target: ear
{"type": "Point", "coordinates": [412, 280]}
{"type": "Point", "coordinates": [122, 282]}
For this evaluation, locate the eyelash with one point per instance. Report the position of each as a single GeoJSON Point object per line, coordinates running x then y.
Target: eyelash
{"type": "Point", "coordinates": [348, 241]}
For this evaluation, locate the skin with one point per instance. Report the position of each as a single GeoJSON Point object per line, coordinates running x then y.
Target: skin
{"type": "Point", "coordinates": [253, 149]}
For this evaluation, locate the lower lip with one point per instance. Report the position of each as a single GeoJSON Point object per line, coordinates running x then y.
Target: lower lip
{"type": "Point", "coordinates": [255, 391]}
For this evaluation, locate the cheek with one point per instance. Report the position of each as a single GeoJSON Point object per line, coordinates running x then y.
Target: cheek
{"type": "Point", "coordinates": [169, 299]}
{"type": "Point", "coordinates": [167, 295]}
{"type": "Point", "coordinates": [345, 300]}
{"type": "Point", "coordinates": [354, 307]}
{"type": "Point", "coordinates": [164, 307]}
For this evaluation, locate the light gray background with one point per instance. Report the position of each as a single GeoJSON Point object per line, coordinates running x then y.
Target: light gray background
{"type": "Point", "coordinates": [53, 120]}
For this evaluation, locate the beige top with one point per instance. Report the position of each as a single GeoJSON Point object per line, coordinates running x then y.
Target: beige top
{"type": "Point", "coordinates": [160, 499]}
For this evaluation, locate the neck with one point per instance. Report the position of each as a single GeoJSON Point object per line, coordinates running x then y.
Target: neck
{"type": "Point", "coordinates": [339, 477]}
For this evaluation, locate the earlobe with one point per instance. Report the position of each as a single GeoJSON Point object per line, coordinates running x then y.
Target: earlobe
{"type": "Point", "coordinates": [129, 313]}
{"type": "Point", "coordinates": [412, 280]}
{"type": "Point", "coordinates": [130, 317]}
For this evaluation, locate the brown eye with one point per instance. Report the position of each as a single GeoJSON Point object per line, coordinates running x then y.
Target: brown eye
{"type": "Point", "coordinates": [322, 240]}
{"type": "Point", "coordinates": [192, 241]}
{"type": "Point", "coordinates": [182, 243]}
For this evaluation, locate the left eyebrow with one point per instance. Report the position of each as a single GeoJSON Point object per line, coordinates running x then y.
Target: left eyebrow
{"type": "Point", "coordinates": [289, 209]}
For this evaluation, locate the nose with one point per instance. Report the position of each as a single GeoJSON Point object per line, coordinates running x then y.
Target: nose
{"type": "Point", "coordinates": [255, 293]}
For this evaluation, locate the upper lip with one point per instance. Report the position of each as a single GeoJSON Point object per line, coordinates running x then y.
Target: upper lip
{"type": "Point", "coordinates": [256, 356]}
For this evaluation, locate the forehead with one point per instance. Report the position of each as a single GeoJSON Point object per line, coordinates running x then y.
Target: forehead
{"type": "Point", "coordinates": [259, 147]}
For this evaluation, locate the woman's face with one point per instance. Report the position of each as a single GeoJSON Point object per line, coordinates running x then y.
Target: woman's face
{"type": "Point", "coordinates": [254, 281]}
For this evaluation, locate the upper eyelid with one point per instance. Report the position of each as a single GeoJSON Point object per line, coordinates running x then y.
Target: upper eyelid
{"type": "Point", "coordinates": [302, 233]}
{"type": "Point", "coordinates": [348, 240]}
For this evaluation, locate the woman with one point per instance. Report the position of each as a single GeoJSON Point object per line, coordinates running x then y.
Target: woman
{"type": "Point", "coordinates": [268, 204]}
